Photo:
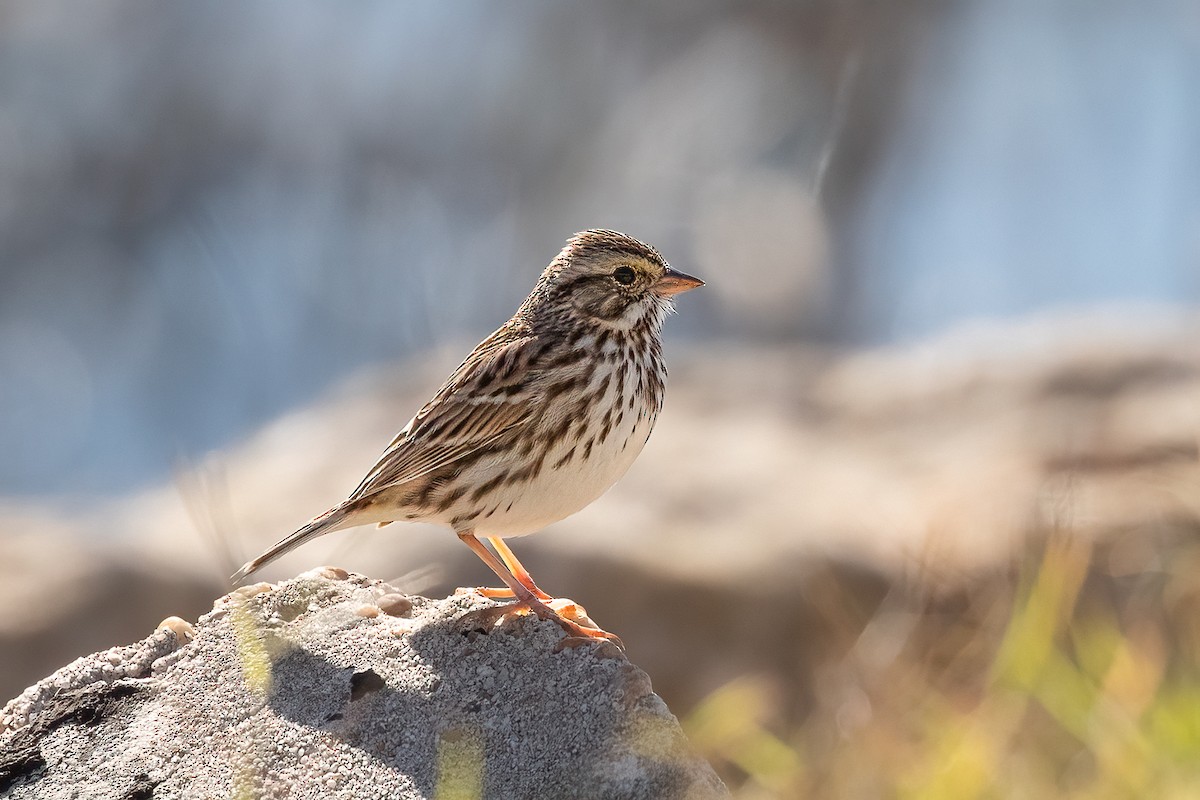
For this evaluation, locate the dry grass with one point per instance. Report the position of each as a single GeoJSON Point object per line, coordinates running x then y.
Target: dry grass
{"type": "Point", "coordinates": [1074, 674]}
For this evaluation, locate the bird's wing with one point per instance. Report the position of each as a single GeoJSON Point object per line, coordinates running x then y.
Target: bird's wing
{"type": "Point", "coordinates": [487, 397]}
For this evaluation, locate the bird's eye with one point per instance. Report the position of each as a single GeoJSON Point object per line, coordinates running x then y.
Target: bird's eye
{"type": "Point", "coordinates": [624, 275]}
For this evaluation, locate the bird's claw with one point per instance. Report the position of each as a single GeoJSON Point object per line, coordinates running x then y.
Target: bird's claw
{"type": "Point", "coordinates": [567, 614]}
{"type": "Point", "coordinates": [502, 593]}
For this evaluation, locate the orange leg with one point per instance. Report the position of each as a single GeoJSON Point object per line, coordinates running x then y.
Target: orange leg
{"type": "Point", "coordinates": [517, 570]}
{"type": "Point", "coordinates": [524, 595]}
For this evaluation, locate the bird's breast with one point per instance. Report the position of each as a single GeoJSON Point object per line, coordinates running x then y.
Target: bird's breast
{"type": "Point", "coordinates": [586, 437]}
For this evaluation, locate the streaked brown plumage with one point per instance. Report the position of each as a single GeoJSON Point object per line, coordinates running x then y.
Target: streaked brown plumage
{"type": "Point", "coordinates": [538, 421]}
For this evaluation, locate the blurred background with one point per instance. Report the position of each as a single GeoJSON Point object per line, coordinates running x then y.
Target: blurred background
{"type": "Point", "coordinates": [928, 464]}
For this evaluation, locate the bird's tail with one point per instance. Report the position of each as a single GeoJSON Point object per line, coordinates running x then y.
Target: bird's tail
{"type": "Point", "coordinates": [332, 520]}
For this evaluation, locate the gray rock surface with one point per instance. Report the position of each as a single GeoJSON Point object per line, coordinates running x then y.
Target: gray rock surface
{"type": "Point", "coordinates": [335, 685]}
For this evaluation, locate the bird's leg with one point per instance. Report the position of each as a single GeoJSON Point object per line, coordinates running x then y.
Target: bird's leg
{"type": "Point", "coordinates": [525, 598]}
{"type": "Point", "coordinates": [517, 570]}
{"type": "Point", "coordinates": [568, 608]}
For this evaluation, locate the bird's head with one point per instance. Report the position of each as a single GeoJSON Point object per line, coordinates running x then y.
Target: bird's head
{"type": "Point", "coordinates": [612, 280]}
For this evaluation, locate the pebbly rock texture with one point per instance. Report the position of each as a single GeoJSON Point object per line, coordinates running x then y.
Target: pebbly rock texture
{"type": "Point", "coordinates": [335, 685]}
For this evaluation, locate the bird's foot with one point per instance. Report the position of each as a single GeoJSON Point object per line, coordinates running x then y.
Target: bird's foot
{"type": "Point", "coordinates": [564, 608]}
{"type": "Point", "coordinates": [504, 593]}
{"type": "Point", "coordinates": [567, 614]}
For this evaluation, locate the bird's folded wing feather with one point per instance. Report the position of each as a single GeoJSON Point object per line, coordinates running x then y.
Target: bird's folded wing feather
{"type": "Point", "coordinates": [486, 398]}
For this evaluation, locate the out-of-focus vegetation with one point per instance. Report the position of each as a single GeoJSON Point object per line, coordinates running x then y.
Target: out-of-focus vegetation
{"type": "Point", "coordinates": [1075, 674]}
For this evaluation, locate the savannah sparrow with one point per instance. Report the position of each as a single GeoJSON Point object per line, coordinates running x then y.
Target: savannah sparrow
{"type": "Point", "coordinates": [540, 419]}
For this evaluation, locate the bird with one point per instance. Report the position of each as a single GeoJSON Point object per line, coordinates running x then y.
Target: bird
{"type": "Point", "coordinates": [537, 422]}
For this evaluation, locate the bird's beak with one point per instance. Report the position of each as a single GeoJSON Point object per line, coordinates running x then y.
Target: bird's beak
{"type": "Point", "coordinates": [673, 282]}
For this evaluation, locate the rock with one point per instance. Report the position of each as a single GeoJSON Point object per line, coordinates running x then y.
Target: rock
{"type": "Point", "coordinates": [291, 690]}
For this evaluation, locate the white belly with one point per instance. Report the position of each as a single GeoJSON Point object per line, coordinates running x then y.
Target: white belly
{"type": "Point", "coordinates": [559, 492]}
